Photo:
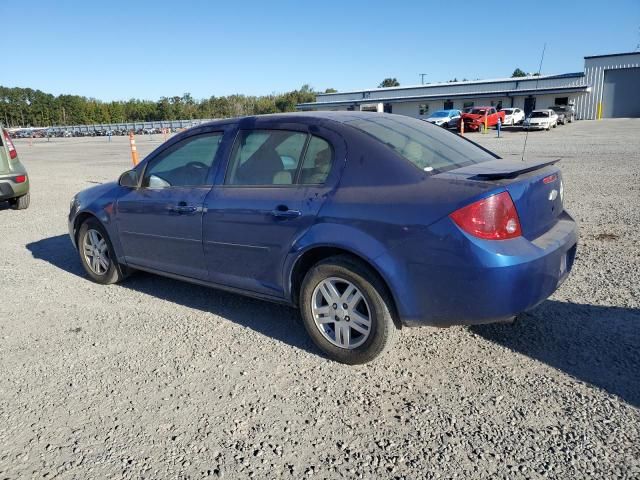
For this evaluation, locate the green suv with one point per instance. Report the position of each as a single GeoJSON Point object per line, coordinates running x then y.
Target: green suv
{"type": "Point", "coordinates": [14, 182]}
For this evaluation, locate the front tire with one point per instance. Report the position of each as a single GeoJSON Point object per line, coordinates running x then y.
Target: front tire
{"type": "Point", "coordinates": [346, 310]}
{"type": "Point", "coordinates": [97, 255]}
{"type": "Point", "coordinates": [20, 203]}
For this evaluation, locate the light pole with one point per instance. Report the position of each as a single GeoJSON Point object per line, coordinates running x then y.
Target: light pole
{"type": "Point", "coordinates": [422, 75]}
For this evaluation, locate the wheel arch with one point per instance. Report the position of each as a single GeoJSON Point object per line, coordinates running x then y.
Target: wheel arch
{"type": "Point", "coordinates": [79, 220]}
{"type": "Point", "coordinates": [316, 253]}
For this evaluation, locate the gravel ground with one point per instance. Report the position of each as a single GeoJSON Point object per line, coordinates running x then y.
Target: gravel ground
{"type": "Point", "coordinates": [155, 378]}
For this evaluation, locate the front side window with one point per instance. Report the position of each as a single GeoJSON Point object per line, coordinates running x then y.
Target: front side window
{"type": "Point", "coordinates": [429, 148]}
{"type": "Point", "coordinates": [185, 164]}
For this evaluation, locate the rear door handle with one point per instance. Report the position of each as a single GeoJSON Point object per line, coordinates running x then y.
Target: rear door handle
{"type": "Point", "coordinates": [284, 212]}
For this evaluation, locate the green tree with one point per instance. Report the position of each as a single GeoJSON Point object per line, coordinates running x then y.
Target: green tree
{"type": "Point", "coordinates": [518, 73]}
{"type": "Point", "coordinates": [331, 90]}
{"type": "Point", "coordinates": [389, 82]}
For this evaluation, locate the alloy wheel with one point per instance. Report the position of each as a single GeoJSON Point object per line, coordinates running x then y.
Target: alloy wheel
{"type": "Point", "coordinates": [96, 252]}
{"type": "Point", "coordinates": [341, 313]}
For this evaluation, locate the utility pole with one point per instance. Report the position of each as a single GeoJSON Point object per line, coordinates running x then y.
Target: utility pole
{"type": "Point", "coordinates": [422, 75]}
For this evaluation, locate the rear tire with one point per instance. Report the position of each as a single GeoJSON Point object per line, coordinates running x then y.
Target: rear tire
{"type": "Point", "coordinates": [20, 203]}
{"type": "Point", "coordinates": [367, 318]}
{"type": "Point", "coordinates": [97, 255]}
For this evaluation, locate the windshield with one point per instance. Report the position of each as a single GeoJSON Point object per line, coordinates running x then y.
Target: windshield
{"type": "Point", "coordinates": [440, 113]}
{"type": "Point", "coordinates": [539, 114]}
{"type": "Point", "coordinates": [429, 148]}
{"type": "Point", "coordinates": [479, 111]}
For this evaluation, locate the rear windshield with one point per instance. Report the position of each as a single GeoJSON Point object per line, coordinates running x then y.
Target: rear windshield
{"type": "Point", "coordinates": [428, 147]}
{"type": "Point", "coordinates": [478, 111]}
{"type": "Point", "coordinates": [507, 111]}
{"type": "Point", "coordinates": [440, 113]}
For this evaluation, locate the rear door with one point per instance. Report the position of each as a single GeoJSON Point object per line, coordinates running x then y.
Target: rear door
{"type": "Point", "coordinates": [160, 223]}
{"type": "Point", "coordinates": [275, 182]}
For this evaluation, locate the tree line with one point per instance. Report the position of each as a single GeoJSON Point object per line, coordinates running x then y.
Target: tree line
{"type": "Point", "coordinates": [25, 107]}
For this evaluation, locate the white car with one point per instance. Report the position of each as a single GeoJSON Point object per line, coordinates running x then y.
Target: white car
{"type": "Point", "coordinates": [513, 116]}
{"type": "Point", "coordinates": [444, 118]}
{"type": "Point", "coordinates": [541, 120]}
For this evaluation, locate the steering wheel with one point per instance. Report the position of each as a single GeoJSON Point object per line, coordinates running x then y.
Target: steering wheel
{"type": "Point", "coordinates": [196, 164]}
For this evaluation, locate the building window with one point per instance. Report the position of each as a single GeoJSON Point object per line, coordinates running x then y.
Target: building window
{"type": "Point", "coordinates": [388, 108]}
{"type": "Point", "coordinates": [562, 101]}
{"type": "Point", "coordinates": [467, 105]}
{"type": "Point", "coordinates": [366, 94]}
{"type": "Point", "coordinates": [424, 109]}
{"type": "Point", "coordinates": [448, 105]}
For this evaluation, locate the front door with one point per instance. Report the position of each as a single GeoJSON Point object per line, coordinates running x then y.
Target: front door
{"type": "Point", "coordinates": [275, 184]}
{"type": "Point", "coordinates": [160, 223]}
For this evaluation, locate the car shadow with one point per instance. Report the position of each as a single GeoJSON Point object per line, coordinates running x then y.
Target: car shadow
{"type": "Point", "coordinates": [270, 319]}
{"type": "Point", "coordinates": [595, 344]}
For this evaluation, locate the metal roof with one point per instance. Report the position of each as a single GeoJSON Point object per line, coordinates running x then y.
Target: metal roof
{"type": "Point", "coordinates": [466, 82]}
{"type": "Point", "coordinates": [613, 55]}
{"type": "Point", "coordinates": [495, 93]}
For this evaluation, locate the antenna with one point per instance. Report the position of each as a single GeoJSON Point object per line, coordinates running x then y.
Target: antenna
{"type": "Point", "coordinates": [535, 89]}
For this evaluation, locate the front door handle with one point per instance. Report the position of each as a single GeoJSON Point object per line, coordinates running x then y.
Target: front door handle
{"type": "Point", "coordinates": [183, 208]}
{"type": "Point", "coordinates": [284, 212]}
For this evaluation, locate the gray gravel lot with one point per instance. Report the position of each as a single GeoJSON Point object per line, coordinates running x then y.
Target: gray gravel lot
{"type": "Point", "coordinates": [155, 378]}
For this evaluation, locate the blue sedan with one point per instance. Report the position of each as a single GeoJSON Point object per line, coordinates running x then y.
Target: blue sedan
{"type": "Point", "coordinates": [365, 222]}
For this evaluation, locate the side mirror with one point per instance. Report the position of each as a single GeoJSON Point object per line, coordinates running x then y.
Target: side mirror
{"type": "Point", "coordinates": [129, 179]}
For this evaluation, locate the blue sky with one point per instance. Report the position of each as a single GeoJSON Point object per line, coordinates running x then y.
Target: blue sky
{"type": "Point", "coordinates": [122, 49]}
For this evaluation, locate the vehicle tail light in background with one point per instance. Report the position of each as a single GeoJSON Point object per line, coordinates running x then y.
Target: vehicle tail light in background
{"type": "Point", "coordinates": [12, 149]}
{"type": "Point", "coordinates": [492, 218]}
{"type": "Point", "coordinates": [20, 179]}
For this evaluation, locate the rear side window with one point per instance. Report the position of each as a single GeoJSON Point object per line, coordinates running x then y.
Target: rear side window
{"type": "Point", "coordinates": [278, 157]}
{"type": "Point", "coordinates": [428, 147]}
{"type": "Point", "coordinates": [317, 162]}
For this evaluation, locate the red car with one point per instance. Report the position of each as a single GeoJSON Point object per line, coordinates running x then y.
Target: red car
{"type": "Point", "coordinates": [478, 117]}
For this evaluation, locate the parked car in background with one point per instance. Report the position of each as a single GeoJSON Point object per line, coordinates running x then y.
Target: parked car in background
{"type": "Point", "coordinates": [365, 222]}
{"type": "Point", "coordinates": [14, 181]}
{"type": "Point", "coordinates": [478, 117]}
{"type": "Point", "coordinates": [565, 113]}
{"type": "Point", "coordinates": [541, 120]}
{"type": "Point", "coordinates": [513, 116]}
{"type": "Point", "coordinates": [445, 118]}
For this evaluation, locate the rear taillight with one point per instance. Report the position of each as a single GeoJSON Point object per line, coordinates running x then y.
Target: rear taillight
{"type": "Point", "coordinates": [20, 179]}
{"type": "Point", "coordinates": [12, 150]}
{"type": "Point", "coordinates": [492, 218]}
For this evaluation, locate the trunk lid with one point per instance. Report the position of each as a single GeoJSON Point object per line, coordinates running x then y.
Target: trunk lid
{"type": "Point", "coordinates": [535, 188]}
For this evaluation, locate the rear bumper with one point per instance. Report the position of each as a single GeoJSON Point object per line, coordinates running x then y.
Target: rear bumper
{"type": "Point", "coordinates": [10, 189]}
{"type": "Point", "coordinates": [480, 281]}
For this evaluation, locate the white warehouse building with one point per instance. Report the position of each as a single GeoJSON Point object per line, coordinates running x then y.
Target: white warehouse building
{"type": "Point", "coordinates": [609, 87]}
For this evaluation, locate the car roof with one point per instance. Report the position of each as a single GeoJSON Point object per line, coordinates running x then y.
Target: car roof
{"type": "Point", "coordinates": [304, 117]}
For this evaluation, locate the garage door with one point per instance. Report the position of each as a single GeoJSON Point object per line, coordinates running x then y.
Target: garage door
{"type": "Point", "coordinates": [621, 95]}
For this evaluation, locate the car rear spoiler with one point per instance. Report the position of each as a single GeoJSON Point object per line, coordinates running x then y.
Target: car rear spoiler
{"type": "Point", "coordinates": [510, 172]}
{"type": "Point", "coordinates": [501, 168]}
